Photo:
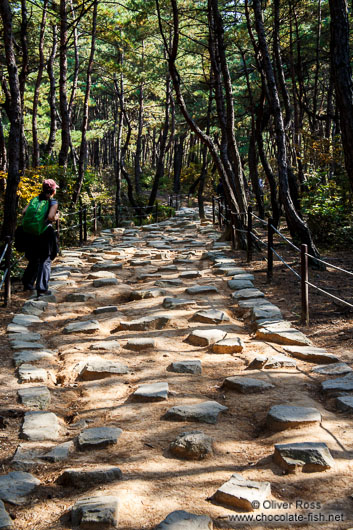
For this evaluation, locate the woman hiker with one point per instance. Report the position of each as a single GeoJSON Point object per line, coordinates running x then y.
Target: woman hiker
{"type": "Point", "coordinates": [42, 246]}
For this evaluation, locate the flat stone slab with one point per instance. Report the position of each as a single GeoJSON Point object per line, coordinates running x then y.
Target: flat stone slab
{"type": "Point", "coordinates": [28, 356]}
{"type": "Point", "coordinates": [211, 316]}
{"type": "Point", "coordinates": [31, 374]}
{"type": "Point", "coordinates": [98, 368]}
{"type": "Point", "coordinates": [186, 367]}
{"type": "Point", "coordinates": [201, 289]}
{"type": "Point", "coordinates": [140, 344]}
{"type": "Point", "coordinates": [345, 403]}
{"type": "Point", "coordinates": [181, 520]}
{"type": "Point", "coordinates": [241, 493]}
{"type": "Point", "coordinates": [265, 311]}
{"type": "Point", "coordinates": [82, 477]}
{"type": "Point", "coordinates": [167, 268]}
{"type": "Point", "coordinates": [205, 337]}
{"type": "Point", "coordinates": [105, 309]}
{"type": "Point", "coordinates": [205, 412]}
{"type": "Point", "coordinates": [79, 297]}
{"type": "Point", "coordinates": [15, 486]}
{"type": "Point", "coordinates": [105, 266]}
{"type": "Point", "coordinates": [24, 337]}
{"type": "Point", "coordinates": [311, 354]}
{"type": "Point", "coordinates": [304, 456]}
{"type": "Point", "coordinates": [21, 345]}
{"type": "Point", "coordinates": [59, 453]}
{"type": "Point", "coordinates": [246, 385]}
{"type": "Point", "coordinates": [25, 320]}
{"type": "Point", "coordinates": [140, 262]}
{"type": "Point", "coordinates": [36, 397]}
{"type": "Point", "coordinates": [172, 303]}
{"type": "Point", "coordinates": [237, 285]}
{"type": "Point", "coordinates": [190, 274]}
{"type": "Point", "coordinates": [282, 333]}
{"type": "Point", "coordinates": [39, 426]}
{"type": "Point", "coordinates": [225, 269]}
{"type": "Point", "coordinates": [106, 345]}
{"type": "Point", "coordinates": [230, 345]}
{"type": "Point", "coordinates": [104, 282]}
{"type": "Point", "coordinates": [333, 369]}
{"type": "Point", "coordinates": [96, 512]}
{"type": "Point", "coordinates": [245, 294]}
{"type": "Point", "coordinates": [173, 282]}
{"type": "Point", "coordinates": [87, 326]}
{"type": "Point", "coordinates": [339, 384]}
{"type": "Point", "coordinates": [145, 323]}
{"type": "Point", "coordinates": [98, 437]}
{"type": "Point", "coordinates": [193, 445]}
{"type": "Point", "coordinates": [5, 519]}
{"type": "Point", "coordinates": [99, 275]}
{"type": "Point", "coordinates": [16, 328]}
{"type": "Point", "coordinates": [34, 307]}
{"type": "Point", "coordinates": [151, 392]}
{"type": "Point", "coordinates": [146, 293]}
{"type": "Point", "coordinates": [282, 417]}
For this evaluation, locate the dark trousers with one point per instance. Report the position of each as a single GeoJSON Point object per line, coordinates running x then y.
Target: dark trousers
{"type": "Point", "coordinates": [37, 272]}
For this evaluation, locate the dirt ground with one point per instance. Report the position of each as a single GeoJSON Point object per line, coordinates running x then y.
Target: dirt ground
{"type": "Point", "coordinates": [154, 482]}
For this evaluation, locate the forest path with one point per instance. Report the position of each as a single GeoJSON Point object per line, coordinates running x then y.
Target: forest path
{"type": "Point", "coordinates": [126, 307]}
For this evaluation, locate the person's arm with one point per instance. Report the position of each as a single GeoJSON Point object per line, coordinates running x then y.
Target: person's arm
{"type": "Point", "coordinates": [52, 212]}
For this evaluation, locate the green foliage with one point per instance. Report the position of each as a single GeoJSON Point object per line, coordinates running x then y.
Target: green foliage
{"type": "Point", "coordinates": [329, 217]}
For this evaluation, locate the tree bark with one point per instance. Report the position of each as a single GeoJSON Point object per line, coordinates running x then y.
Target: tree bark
{"type": "Point", "coordinates": [297, 227]}
{"type": "Point", "coordinates": [36, 153]}
{"type": "Point", "coordinates": [340, 58]}
{"type": "Point", "coordinates": [15, 115]}
{"type": "Point", "coordinates": [64, 108]}
{"type": "Point", "coordinates": [52, 96]}
{"type": "Point", "coordinates": [83, 146]}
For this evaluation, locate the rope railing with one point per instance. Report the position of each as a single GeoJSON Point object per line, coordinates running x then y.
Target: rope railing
{"type": "Point", "coordinates": [88, 217]}
{"type": "Point", "coordinates": [303, 277]}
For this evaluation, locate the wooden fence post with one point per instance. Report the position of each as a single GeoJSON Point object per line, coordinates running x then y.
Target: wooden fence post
{"type": "Point", "coordinates": [304, 284]}
{"type": "Point", "coordinates": [94, 217]}
{"type": "Point", "coordinates": [249, 236]}
{"type": "Point", "coordinates": [81, 225]}
{"type": "Point", "coordinates": [269, 250]}
{"type": "Point", "coordinates": [85, 223]}
{"type": "Point", "coordinates": [7, 285]}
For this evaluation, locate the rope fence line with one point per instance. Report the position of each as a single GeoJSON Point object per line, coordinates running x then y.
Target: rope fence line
{"type": "Point", "coordinates": [248, 228]}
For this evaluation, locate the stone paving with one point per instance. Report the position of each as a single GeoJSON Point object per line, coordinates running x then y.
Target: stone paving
{"type": "Point", "coordinates": [139, 323]}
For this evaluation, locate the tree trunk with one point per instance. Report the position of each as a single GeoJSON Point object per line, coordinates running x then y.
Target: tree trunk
{"type": "Point", "coordinates": [340, 58]}
{"type": "Point", "coordinates": [297, 227]}
{"type": "Point", "coordinates": [160, 161]}
{"type": "Point", "coordinates": [83, 147]}
{"type": "Point", "coordinates": [64, 108]}
{"type": "Point", "coordinates": [15, 115]}
{"type": "Point", "coordinates": [36, 153]}
{"type": "Point", "coordinates": [52, 97]}
{"type": "Point", "coordinates": [178, 162]}
{"type": "Point", "coordinates": [138, 170]}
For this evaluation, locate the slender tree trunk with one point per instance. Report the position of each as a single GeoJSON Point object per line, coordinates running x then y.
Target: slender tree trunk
{"type": "Point", "coordinates": [15, 115]}
{"type": "Point", "coordinates": [64, 108]}
{"type": "Point", "coordinates": [297, 227]}
{"type": "Point", "coordinates": [340, 58]}
{"type": "Point", "coordinates": [83, 147]}
{"type": "Point", "coordinates": [52, 96]}
{"type": "Point", "coordinates": [3, 152]}
{"type": "Point", "coordinates": [163, 144]}
{"type": "Point", "coordinates": [138, 170]}
{"type": "Point", "coordinates": [178, 162]}
{"type": "Point", "coordinates": [36, 153]}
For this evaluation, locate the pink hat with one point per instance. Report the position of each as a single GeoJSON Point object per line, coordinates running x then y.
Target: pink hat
{"type": "Point", "coordinates": [49, 185]}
